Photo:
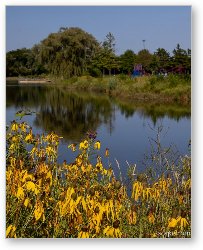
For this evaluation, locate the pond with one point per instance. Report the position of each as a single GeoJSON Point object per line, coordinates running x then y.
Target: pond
{"type": "Point", "coordinates": [127, 128]}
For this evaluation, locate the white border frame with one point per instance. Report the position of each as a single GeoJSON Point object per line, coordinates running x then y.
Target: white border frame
{"type": "Point", "coordinates": [197, 166]}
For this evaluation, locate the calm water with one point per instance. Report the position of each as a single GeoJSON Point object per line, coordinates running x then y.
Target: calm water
{"type": "Point", "coordinates": [124, 127]}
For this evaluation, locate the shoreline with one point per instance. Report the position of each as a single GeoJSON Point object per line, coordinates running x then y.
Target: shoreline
{"type": "Point", "coordinates": [141, 89]}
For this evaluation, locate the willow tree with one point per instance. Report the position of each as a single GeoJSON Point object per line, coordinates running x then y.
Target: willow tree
{"type": "Point", "coordinates": [67, 52]}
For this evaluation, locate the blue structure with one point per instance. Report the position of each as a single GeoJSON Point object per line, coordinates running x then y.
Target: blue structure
{"type": "Point", "coordinates": [137, 70]}
{"type": "Point", "coordinates": [136, 73]}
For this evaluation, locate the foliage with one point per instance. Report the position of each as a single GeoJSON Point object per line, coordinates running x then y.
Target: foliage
{"type": "Point", "coordinates": [144, 57]}
{"type": "Point", "coordinates": [105, 59]}
{"type": "Point", "coordinates": [22, 62]}
{"type": "Point", "coordinates": [156, 88]}
{"type": "Point", "coordinates": [109, 43]}
{"type": "Point", "coordinates": [182, 58]}
{"type": "Point", "coordinates": [68, 52]}
{"type": "Point", "coordinates": [161, 61]}
{"type": "Point", "coordinates": [127, 61]}
{"type": "Point", "coordinates": [95, 72]}
{"type": "Point", "coordinates": [84, 199]}
{"type": "Point", "coordinates": [72, 52]}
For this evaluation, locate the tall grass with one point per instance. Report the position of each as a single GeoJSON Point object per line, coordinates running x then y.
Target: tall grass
{"type": "Point", "coordinates": [166, 89]}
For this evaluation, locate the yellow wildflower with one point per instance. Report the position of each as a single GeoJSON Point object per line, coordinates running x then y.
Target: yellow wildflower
{"type": "Point", "coordinates": [73, 204]}
{"type": "Point", "coordinates": [50, 151]}
{"type": "Point", "coordinates": [70, 203]}
{"type": "Point", "coordinates": [172, 223]}
{"type": "Point", "coordinates": [97, 145]}
{"type": "Point", "coordinates": [28, 137]}
{"type": "Point", "coordinates": [33, 152]}
{"type": "Point", "coordinates": [146, 193]}
{"type": "Point", "coordinates": [27, 177]}
{"type": "Point", "coordinates": [153, 235]}
{"type": "Point", "coordinates": [14, 139]}
{"type": "Point", "coordinates": [10, 232]}
{"type": "Point", "coordinates": [84, 233]}
{"type": "Point", "coordinates": [104, 171]}
{"type": "Point", "coordinates": [182, 222]}
{"type": "Point", "coordinates": [20, 193]}
{"type": "Point", "coordinates": [137, 190]}
{"type": "Point", "coordinates": [79, 160]}
{"type": "Point", "coordinates": [26, 202]}
{"type": "Point", "coordinates": [23, 127]}
{"type": "Point", "coordinates": [30, 186]}
{"type": "Point", "coordinates": [14, 126]}
{"type": "Point", "coordinates": [83, 145]}
{"type": "Point", "coordinates": [107, 152]}
{"type": "Point", "coordinates": [114, 231]}
{"type": "Point", "coordinates": [99, 166]}
{"type": "Point", "coordinates": [39, 210]}
{"type": "Point", "coordinates": [12, 147]}
{"type": "Point", "coordinates": [109, 231]}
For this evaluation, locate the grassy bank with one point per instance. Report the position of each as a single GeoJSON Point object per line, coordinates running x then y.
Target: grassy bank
{"type": "Point", "coordinates": [156, 89]}
{"type": "Point", "coordinates": [83, 199]}
{"type": "Point", "coordinates": [173, 88]}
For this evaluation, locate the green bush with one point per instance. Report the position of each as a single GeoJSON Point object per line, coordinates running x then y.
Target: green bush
{"type": "Point", "coordinates": [95, 72]}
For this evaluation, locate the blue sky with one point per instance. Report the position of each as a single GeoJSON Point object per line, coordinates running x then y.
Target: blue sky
{"type": "Point", "coordinates": [159, 26]}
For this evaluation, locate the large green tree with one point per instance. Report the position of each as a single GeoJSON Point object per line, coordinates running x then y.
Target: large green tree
{"type": "Point", "coordinates": [161, 61]}
{"type": "Point", "coordinates": [182, 58]}
{"type": "Point", "coordinates": [127, 61]}
{"type": "Point", "coordinates": [105, 59]}
{"type": "Point", "coordinates": [68, 52]}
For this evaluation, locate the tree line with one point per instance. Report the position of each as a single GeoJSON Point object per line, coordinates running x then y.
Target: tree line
{"type": "Point", "coordinates": [74, 52]}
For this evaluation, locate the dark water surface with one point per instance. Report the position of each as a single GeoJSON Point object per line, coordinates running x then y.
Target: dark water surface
{"type": "Point", "coordinates": [125, 127]}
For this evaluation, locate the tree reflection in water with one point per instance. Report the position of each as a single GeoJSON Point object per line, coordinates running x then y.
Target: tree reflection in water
{"type": "Point", "coordinates": [72, 114]}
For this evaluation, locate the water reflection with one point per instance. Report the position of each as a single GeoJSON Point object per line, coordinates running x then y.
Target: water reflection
{"type": "Point", "coordinates": [72, 114]}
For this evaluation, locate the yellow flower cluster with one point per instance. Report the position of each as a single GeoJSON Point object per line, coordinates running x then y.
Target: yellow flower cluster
{"type": "Point", "coordinates": [146, 192]}
{"type": "Point", "coordinates": [178, 222]}
{"type": "Point", "coordinates": [83, 199]}
{"type": "Point", "coordinates": [84, 145]}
